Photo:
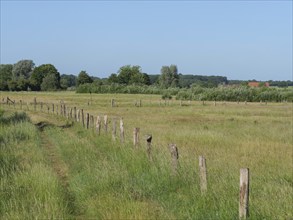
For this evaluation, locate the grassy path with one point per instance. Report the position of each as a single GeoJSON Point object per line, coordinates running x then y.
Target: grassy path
{"type": "Point", "coordinates": [61, 170]}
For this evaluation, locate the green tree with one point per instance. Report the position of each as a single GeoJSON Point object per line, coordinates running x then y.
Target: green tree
{"type": "Point", "coordinates": [146, 79]}
{"type": "Point", "coordinates": [124, 74]}
{"type": "Point", "coordinates": [67, 81]}
{"type": "Point", "coordinates": [22, 69]}
{"type": "Point", "coordinates": [5, 75]}
{"type": "Point", "coordinates": [169, 76]}
{"type": "Point", "coordinates": [131, 75]}
{"type": "Point", "coordinates": [50, 83]}
{"type": "Point", "coordinates": [12, 85]}
{"type": "Point", "coordinates": [113, 78]}
{"type": "Point", "coordinates": [83, 78]}
{"type": "Point", "coordinates": [42, 71]}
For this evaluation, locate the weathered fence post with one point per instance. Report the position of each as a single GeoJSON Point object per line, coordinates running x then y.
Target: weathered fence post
{"type": "Point", "coordinates": [61, 109]}
{"type": "Point", "coordinates": [78, 116]}
{"type": "Point", "coordinates": [175, 156]}
{"type": "Point", "coordinates": [64, 109]}
{"type": "Point", "coordinates": [135, 137]}
{"type": "Point", "coordinates": [87, 120]}
{"type": "Point", "coordinates": [244, 193]}
{"type": "Point", "coordinates": [35, 104]}
{"type": "Point", "coordinates": [20, 104]}
{"type": "Point", "coordinates": [121, 130]}
{"type": "Point", "coordinates": [139, 103]}
{"type": "Point", "coordinates": [82, 118]}
{"type": "Point", "coordinates": [57, 111]}
{"type": "Point", "coordinates": [112, 103]}
{"type": "Point", "coordinates": [203, 174]}
{"type": "Point", "coordinates": [98, 125]}
{"type": "Point", "coordinates": [53, 108]}
{"type": "Point", "coordinates": [149, 146]}
{"type": "Point", "coordinates": [114, 130]}
{"type": "Point", "coordinates": [106, 123]}
{"type": "Point", "coordinates": [92, 122]}
{"type": "Point", "coordinates": [48, 108]}
{"type": "Point", "coordinates": [215, 103]}
{"type": "Point", "coordinates": [74, 113]}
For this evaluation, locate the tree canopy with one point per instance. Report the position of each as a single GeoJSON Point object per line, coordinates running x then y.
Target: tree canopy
{"type": "Point", "coordinates": [130, 75]}
{"type": "Point", "coordinates": [169, 76]}
{"type": "Point", "coordinates": [5, 75]}
{"type": "Point", "coordinates": [40, 73]}
{"type": "Point", "coordinates": [22, 69]}
{"type": "Point", "coordinates": [83, 78]}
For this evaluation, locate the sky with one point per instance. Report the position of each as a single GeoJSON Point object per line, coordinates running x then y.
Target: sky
{"type": "Point", "coordinates": [238, 39]}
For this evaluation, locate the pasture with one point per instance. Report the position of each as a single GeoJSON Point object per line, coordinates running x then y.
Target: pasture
{"type": "Point", "coordinates": [59, 169]}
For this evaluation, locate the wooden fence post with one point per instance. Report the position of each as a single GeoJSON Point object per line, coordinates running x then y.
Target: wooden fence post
{"type": "Point", "coordinates": [203, 174]}
{"type": "Point", "coordinates": [53, 108]}
{"type": "Point", "coordinates": [61, 109]}
{"type": "Point", "coordinates": [106, 123]}
{"type": "Point", "coordinates": [135, 137]}
{"type": "Point", "coordinates": [114, 130]}
{"type": "Point", "coordinates": [112, 103]}
{"type": "Point", "coordinates": [92, 122]}
{"type": "Point", "coordinates": [64, 109]}
{"type": "Point", "coordinates": [149, 147]}
{"type": "Point", "coordinates": [35, 104]}
{"type": "Point", "coordinates": [78, 116]}
{"type": "Point", "coordinates": [87, 120]}
{"type": "Point", "coordinates": [244, 193]}
{"type": "Point", "coordinates": [98, 125]}
{"type": "Point", "coordinates": [121, 130]}
{"type": "Point", "coordinates": [74, 113]}
{"type": "Point", "coordinates": [20, 104]}
{"type": "Point", "coordinates": [82, 118]}
{"type": "Point", "coordinates": [57, 111]}
{"type": "Point", "coordinates": [175, 156]}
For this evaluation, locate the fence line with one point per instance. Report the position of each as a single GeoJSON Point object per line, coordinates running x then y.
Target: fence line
{"type": "Point", "coordinates": [77, 115]}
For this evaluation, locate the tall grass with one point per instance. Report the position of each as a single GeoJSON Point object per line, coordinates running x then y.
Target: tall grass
{"type": "Point", "coordinates": [28, 187]}
{"type": "Point", "coordinates": [107, 180]}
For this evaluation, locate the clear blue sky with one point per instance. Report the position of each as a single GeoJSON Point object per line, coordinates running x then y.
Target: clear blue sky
{"type": "Point", "coordinates": [237, 39]}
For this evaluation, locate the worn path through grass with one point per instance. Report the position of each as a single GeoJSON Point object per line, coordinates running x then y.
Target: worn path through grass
{"type": "Point", "coordinates": [59, 167]}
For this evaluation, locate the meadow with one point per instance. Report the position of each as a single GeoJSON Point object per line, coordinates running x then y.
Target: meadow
{"type": "Point", "coordinates": [58, 169]}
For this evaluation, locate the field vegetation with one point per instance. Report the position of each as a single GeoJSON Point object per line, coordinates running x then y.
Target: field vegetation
{"type": "Point", "coordinates": [52, 167]}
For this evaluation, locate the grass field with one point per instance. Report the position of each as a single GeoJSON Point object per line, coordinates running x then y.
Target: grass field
{"type": "Point", "coordinates": [70, 172]}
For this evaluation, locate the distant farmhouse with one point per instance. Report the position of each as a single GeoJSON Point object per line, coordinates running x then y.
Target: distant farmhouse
{"type": "Point", "coordinates": [258, 84]}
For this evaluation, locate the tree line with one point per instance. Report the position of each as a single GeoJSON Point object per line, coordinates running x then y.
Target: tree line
{"type": "Point", "coordinates": [25, 76]}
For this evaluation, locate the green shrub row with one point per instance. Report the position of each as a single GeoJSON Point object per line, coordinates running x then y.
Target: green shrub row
{"type": "Point", "coordinates": [242, 93]}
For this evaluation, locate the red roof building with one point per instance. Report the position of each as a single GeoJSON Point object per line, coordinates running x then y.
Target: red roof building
{"type": "Point", "coordinates": [257, 84]}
